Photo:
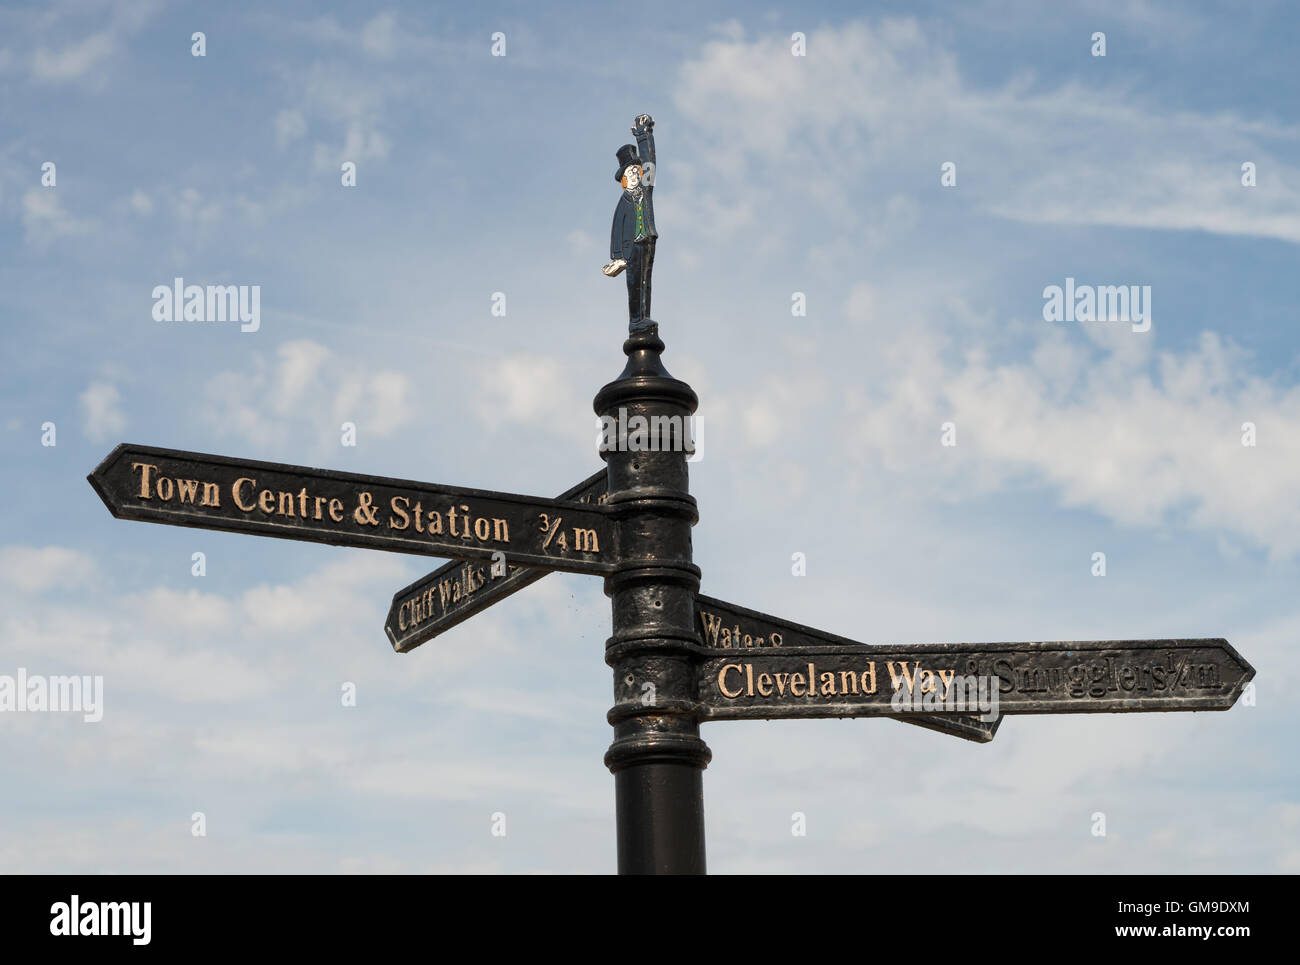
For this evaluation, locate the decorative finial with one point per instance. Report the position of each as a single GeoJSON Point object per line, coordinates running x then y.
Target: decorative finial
{"type": "Point", "coordinates": [632, 239]}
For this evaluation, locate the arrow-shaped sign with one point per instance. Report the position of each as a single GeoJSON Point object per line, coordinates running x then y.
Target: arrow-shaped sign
{"type": "Point", "coordinates": [745, 633]}
{"type": "Point", "coordinates": [455, 592]}
{"type": "Point", "coordinates": [1092, 676]}
{"type": "Point", "coordinates": [350, 509]}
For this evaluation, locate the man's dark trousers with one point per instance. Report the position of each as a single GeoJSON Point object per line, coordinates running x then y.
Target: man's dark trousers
{"type": "Point", "coordinates": [638, 280]}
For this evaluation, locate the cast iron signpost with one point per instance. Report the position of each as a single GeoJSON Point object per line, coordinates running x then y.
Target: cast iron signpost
{"type": "Point", "coordinates": [679, 658]}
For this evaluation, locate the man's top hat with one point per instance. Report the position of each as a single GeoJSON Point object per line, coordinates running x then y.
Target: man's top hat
{"type": "Point", "coordinates": [627, 156]}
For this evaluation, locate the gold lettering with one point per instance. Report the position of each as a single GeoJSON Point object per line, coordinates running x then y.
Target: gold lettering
{"type": "Point", "coordinates": [435, 523]}
{"type": "Point", "coordinates": [234, 493]}
{"type": "Point", "coordinates": [584, 540]}
{"type": "Point", "coordinates": [501, 532]}
{"type": "Point", "coordinates": [904, 673]}
{"type": "Point", "coordinates": [400, 512]}
{"type": "Point", "coordinates": [211, 494]}
{"type": "Point", "coordinates": [144, 468]}
{"type": "Point", "coordinates": [710, 623]}
{"type": "Point", "coordinates": [481, 528]}
{"type": "Point", "coordinates": [286, 498]}
{"type": "Point", "coordinates": [722, 681]}
{"type": "Point", "coordinates": [164, 495]}
{"type": "Point", "coordinates": [187, 488]}
{"type": "Point", "coordinates": [796, 681]}
{"type": "Point", "coordinates": [870, 671]}
{"type": "Point", "coordinates": [848, 679]}
{"type": "Point", "coordinates": [336, 510]}
{"type": "Point", "coordinates": [828, 684]}
{"type": "Point", "coordinates": [266, 500]}
{"type": "Point", "coordinates": [764, 681]}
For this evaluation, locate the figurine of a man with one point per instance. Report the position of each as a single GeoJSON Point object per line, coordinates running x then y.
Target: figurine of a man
{"type": "Point", "coordinates": [632, 240]}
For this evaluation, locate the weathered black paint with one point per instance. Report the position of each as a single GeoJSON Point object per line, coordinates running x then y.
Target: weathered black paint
{"type": "Point", "coordinates": [657, 756]}
{"type": "Point", "coordinates": [764, 626]}
{"type": "Point", "coordinates": [1074, 677]}
{"type": "Point", "coordinates": [118, 485]}
{"type": "Point", "coordinates": [406, 634]}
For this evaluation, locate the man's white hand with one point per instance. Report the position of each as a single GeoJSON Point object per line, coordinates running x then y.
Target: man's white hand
{"type": "Point", "coordinates": [614, 267]}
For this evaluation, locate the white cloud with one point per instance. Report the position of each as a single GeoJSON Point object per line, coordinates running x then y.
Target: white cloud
{"type": "Point", "coordinates": [330, 595]}
{"type": "Point", "coordinates": [1135, 435]}
{"type": "Point", "coordinates": [45, 220]}
{"type": "Point", "coordinates": [33, 569]}
{"type": "Point", "coordinates": [74, 60]}
{"type": "Point", "coordinates": [379, 36]}
{"type": "Point", "coordinates": [88, 56]}
{"type": "Point", "coordinates": [101, 411]}
{"type": "Point", "coordinates": [289, 126]}
{"type": "Point", "coordinates": [527, 388]}
{"type": "Point", "coordinates": [191, 208]}
{"type": "Point", "coordinates": [337, 100]}
{"type": "Point", "coordinates": [189, 612]}
{"type": "Point", "coordinates": [870, 100]}
{"type": "Point", "coordinates": [581, 241]}
{"type": "Point", "coordinates": [271, 400]}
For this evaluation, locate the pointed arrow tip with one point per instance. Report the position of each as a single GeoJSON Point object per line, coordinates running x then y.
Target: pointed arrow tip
{"type": "Point", "coordinates": [99, 473]}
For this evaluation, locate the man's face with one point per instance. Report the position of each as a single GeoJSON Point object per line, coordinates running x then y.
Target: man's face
{"type": "Point", "coordinates": [632, 175]}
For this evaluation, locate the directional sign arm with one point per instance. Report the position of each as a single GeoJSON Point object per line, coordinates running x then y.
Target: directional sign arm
{"type": "Point", "coordinates": [349, 509]}
{"type": "Point", "coordinates": [1093, 676]}
{"type": "Point", "coordinates": [727, 627]}
{"type": "Point", "coordinates": [453, 593]}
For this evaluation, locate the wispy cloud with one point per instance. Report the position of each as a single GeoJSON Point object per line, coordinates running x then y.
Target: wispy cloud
{"type": "Point", "coordinates": [308, 390]}
{"type": "Point", "coordinates": [873, 99]}
{"type": "Point", "coordinates": [101, 411]}
{"type": "Point", "coordinates": [62, 61]}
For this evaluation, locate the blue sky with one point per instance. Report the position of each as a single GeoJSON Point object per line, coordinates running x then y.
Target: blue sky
{"type": "Point", "coordinates": [778, 174]}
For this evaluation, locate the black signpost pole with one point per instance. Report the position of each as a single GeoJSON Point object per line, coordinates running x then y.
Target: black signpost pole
{"type": "Point", "coordinates": [657, 756]}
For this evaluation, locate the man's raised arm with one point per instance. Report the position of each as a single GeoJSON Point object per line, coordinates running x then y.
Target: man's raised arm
{"type": "Point", "coordinates": [643, 128]}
